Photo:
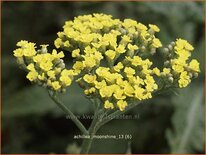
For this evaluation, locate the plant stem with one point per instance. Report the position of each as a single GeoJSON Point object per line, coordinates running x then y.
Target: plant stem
{"type": "Point", "coordinates": [92, 131]}
{"type": "Point", "coordinates": [88, 142]}
{"type": "Point", "coordinates": [69, 113]}
{"type": "Point", "coordinates": [97, 123]}
{"type": "Point", "coordinates": [115, 114]}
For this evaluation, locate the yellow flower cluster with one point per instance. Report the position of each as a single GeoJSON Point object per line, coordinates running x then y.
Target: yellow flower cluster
{"type": "Point", "coordinates": [108, 36]}
{"type": "Point", "coordinates": [110, 60]}
{"type": "Point", "coordinates": [122, 84]}
{"type": "Point", "coordinates": [47, 69]}
{"type": "Point", "coordinates": [183, 69]}
{"type": "Point", "coordinates": [91, 38]}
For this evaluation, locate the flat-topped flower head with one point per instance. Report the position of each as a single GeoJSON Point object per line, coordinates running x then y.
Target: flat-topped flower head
{"type": "Point", "coordinates": [112, 60]}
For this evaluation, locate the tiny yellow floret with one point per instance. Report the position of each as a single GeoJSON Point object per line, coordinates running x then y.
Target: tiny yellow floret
{"type": "Point", "coordinates": [121, 105]}
{"type": "Point", "coordinates": [154, 27]}
{"type": "Point", "coordinates": [108, 105]}
{"type": "Point", "coordinates": [56, 85]}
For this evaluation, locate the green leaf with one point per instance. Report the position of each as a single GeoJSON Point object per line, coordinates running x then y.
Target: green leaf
{"type": "Point", "coordinates": [188, 121]}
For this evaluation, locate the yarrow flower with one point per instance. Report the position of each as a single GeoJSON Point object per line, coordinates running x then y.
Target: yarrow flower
{"type": "Point", "coordinates": [111, 60]}
{"type": "Point", "coordinates": [180, 66]}
{"type": "Point", "coordinates": [46, 69]}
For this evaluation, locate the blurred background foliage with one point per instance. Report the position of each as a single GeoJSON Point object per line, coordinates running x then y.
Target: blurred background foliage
{"type": "Point", "coordinates": [31, 123]}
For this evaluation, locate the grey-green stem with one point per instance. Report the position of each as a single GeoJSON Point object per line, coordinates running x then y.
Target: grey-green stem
{"type": "Point", "coordinates": [97, 123]}
{"type": "Point", "coordinates": [116, 114]}
{"type": "Point", "coordinates": [88, 142]}
{"type": "Point", "coordinates": [68, 113]}
{"type": "Point", "coordinates": [92, 131]}
{"type": "Point", "coordinates": [99, 120]}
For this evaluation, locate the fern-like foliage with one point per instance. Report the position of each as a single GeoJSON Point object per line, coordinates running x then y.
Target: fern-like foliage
{"type": "Point", "coordinates": [187, 135]}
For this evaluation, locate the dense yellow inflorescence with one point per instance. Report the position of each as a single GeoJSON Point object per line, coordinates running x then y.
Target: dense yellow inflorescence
{"type": "Point", "coordinates": [180, 66]}
{"type": "Point", "coordinates": [45, 68]}
{"type": "Point", "coordinates": [111, 60]}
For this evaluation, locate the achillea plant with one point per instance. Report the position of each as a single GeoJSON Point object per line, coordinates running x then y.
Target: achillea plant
{"type": "Point", "coordinates": [111, 63]}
